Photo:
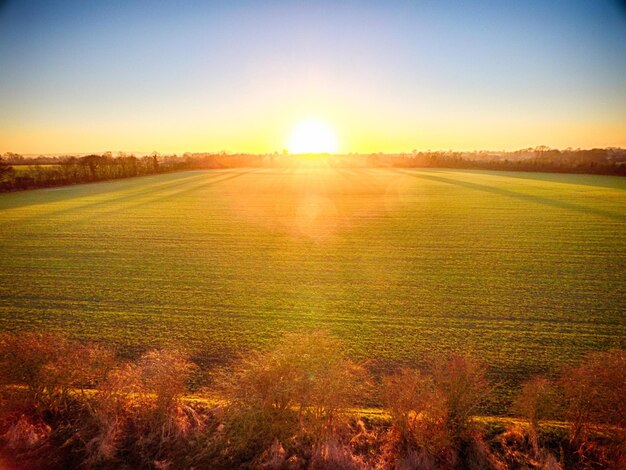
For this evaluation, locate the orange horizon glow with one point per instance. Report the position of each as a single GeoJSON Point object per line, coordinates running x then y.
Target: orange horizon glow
{"type": "Point", "coordinates": [346, 137]}
{"type": "Point", "coordinates": [240, 76]}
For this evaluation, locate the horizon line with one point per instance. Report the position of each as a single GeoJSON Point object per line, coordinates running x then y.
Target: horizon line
{"type": "Point", "coordinates": [286, 153]}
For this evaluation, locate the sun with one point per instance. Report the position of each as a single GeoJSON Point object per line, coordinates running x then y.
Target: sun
{"type": "Point", "coordinates": [312, 136]}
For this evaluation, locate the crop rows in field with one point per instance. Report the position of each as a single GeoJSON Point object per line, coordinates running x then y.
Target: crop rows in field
{"type": "Point", "coordinates": [526, 271]}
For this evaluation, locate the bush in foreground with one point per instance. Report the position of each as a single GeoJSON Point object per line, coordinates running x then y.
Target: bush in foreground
{"type": "Point", "coordinates": [595, 397]}
{"type": "Point", "coordinates": [432, 424]}
{"type": "Point", "coordinates": [138, 414]}
{"type": "Point", "coordinates": [50, 366]}
{"type": "Point", "coordinates": [67, 404]}
{"type": "Point", "coordinates": [292, 396]}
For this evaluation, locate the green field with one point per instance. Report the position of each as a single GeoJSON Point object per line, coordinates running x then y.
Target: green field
{"type": "Point", "coordinates": [22, 168]}
{"type": "Point", "coordinates": [526, 271]}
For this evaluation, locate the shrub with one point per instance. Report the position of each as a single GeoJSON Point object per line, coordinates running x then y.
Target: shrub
{"type": "Point", "coordinates": [418, 415]}
{"type": "Point", "coordinates": [462, 383]}
{"type": "Point", "coordinates": [537, 400]}
{"type": "Point", "coordinates": [24, 434]}
{"type": "Point", "coordinates": [594, 392]}
{"type": "Point", "coordinates": [51, 367]}
{"type": "Point", "coordinates": [431, 415]}
{"type": "Point", "coordinates": [293, 393]}
{"type": "Point", "coordinates": [140, 410]}
{"type": "Point", "coordinates": [24, 358]}
{"type": "Point", "coordinates": [594, 397]}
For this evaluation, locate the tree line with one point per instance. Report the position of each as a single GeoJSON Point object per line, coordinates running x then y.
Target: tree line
{"type": "Point", "coordinates": [18, 172]}
{"type": "Point", "coordinates": [609, 161]}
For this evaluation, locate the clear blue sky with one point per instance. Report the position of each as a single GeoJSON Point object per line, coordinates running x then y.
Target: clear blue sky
{"type": "Point", "coordinates": [80, 76]}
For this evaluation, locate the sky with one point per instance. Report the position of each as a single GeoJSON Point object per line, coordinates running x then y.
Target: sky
{"type": "Point", "coordinates": [93, 76]}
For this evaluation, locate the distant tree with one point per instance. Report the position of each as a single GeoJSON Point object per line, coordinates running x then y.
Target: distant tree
{"type": "Point", "coordinates": [93, 162]}
{"type": "Point", "coordinates": [6, 170]}
{"type": "Point", "coordinates": [13, 157]}
{"type": "Point", "coordinates": [155, 160]}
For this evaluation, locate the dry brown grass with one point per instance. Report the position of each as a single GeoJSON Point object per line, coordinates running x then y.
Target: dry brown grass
{"type": "Point", "coordinates": [295, 394]}
{"type": "Point", "coordinates": [517, 450]}
{"type": "Point", "coordinates": [140, 406]}
{"type": "Point", "coordinates": [419, 415]}
{"type": "Point", "coordinates": [432, 414]}
{"type": "Point", "coordinates": [51, 367]}
{"type": "Point", "coordinates": [67, 404]}
{"type": "Point", "coordinates": [26, 433]}
{"type": "Point", "coordinates": [462, 382]}
{"type": "Point", "coordinates": [595, 390]}
{"type": "Point", "coordinates": [594, 396]}
{"type": "Point", "coordinates": [537, 400]}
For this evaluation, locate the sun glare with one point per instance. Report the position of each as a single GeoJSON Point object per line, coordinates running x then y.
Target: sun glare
{"type": "Point", "coordinates": [312, 136]}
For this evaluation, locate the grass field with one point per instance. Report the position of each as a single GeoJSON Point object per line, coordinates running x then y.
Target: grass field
{"type": "Point", "coordinates": [526, 271]}
{"type": "Point", "coordinates": [30, 167]}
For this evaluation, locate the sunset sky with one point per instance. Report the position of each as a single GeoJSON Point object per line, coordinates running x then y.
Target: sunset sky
{"type": "Point", "coordinates": [87, 76]}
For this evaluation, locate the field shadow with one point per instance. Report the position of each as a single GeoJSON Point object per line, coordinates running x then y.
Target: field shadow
{"type": "Point", "coordinates": [214, 179]}
{"type": "Point", "coordinates": [151, 190]}
{"type": "Point", "coordinates": [147, 191]}
{"type": "Point", "coordinates": [520, 196]}
{"type": "Point", "coordinates": [32, 197]}
{"type": "Point", "coordinates": [211, 182]}
{"type": "Point", "coordinates": [579, 179]}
